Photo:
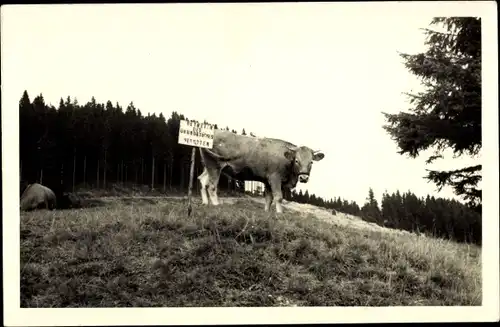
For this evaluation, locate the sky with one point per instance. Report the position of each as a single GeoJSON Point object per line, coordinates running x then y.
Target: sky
{"type": "Point", "coordinates": [320, 76]}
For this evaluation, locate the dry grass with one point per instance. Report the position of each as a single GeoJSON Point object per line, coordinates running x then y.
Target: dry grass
{"type": "Point", "coordinates": [134, 252]}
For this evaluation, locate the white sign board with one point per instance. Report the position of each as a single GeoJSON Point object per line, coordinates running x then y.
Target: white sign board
{"type": "Point", "coordinates": [196, 134]}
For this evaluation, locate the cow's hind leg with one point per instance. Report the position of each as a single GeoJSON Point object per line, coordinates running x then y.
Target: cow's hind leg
{"type": "Point", "coordinates": [204, 181]}
{"type": "Point", "coordinates": [213, 181]}
{"type": "Point", "coordinates": [268, 195]}
{"type": "Point", "coordinates": [210, 177]}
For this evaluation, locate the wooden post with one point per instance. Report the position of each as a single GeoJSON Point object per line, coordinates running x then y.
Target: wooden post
{"type": "Point", "coordinates": [197, 169]}
{"type": "Point", "coordinates": [191, 173]}
{"type": "Point", "coordinates": [182, 177]}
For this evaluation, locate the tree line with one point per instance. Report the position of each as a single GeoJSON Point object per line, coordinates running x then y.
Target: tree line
{"type": "Point", "coordinates": [96, 145]}
{"type": "Point", "coordinates": [437, 217]}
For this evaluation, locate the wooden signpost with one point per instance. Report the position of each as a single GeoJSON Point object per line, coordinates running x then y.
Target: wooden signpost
{"type": "Point", "coordinates": [195, 134]}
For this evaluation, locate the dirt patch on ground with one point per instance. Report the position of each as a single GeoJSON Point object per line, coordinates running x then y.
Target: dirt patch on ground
{"type": "Point", "coordinates": [339, 219]}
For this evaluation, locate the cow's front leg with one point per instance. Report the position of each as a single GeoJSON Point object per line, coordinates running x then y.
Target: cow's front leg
{"type": "Point", "coordinates": [208, 182]}
{"type": "Point", "coordinates": [212, 191]}
{"type": "Point", "coordinates": [275, 183]}
{"type": "Point", "coordinates": [268, 195]}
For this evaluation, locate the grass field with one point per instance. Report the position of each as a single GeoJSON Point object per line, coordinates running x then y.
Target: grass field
{"type": "Point", "coordinates": [147, 252]}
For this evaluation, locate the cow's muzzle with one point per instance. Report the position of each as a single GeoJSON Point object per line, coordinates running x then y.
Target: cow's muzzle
{"type": "Point", "coordinates": [303, 178]}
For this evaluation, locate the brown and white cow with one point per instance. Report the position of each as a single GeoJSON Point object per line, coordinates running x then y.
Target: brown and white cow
{"type": "Point", "coordinates": [276, 163]}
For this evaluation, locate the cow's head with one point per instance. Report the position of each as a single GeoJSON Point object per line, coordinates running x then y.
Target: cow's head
{"type": "Point", "coordinates": [302, 159]}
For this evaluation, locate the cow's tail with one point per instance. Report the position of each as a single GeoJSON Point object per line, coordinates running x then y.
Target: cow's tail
{"type": "Point", "coordinates": [217, 156]}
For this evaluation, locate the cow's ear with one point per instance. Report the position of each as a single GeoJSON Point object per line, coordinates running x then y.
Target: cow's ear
{"type": "Point", "coordinates": [318, 156]}
{"type": "Point", "coordinates": [290, 155]}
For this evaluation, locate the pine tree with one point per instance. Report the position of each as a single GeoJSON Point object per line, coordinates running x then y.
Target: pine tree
{"type": "Point", "coordinates": [300, 197]}
{"type": "Point", "coordinates": [448, 113]}
{"type": "Point", "coordinates": [307, 197]}
{"type": "Point", "coordinates": [26, 142]}
{"type": "Point", "coordinates": [387, 209]}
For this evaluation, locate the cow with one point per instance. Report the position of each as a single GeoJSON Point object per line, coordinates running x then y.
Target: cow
{"type": "Point", "coordinates": [278, 164]}
{"type": "Point", "coordinates": [37, 196]}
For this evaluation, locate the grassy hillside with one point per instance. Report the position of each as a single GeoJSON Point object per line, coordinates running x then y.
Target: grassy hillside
{"type": "Point", "coordinates": [133, 252]}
